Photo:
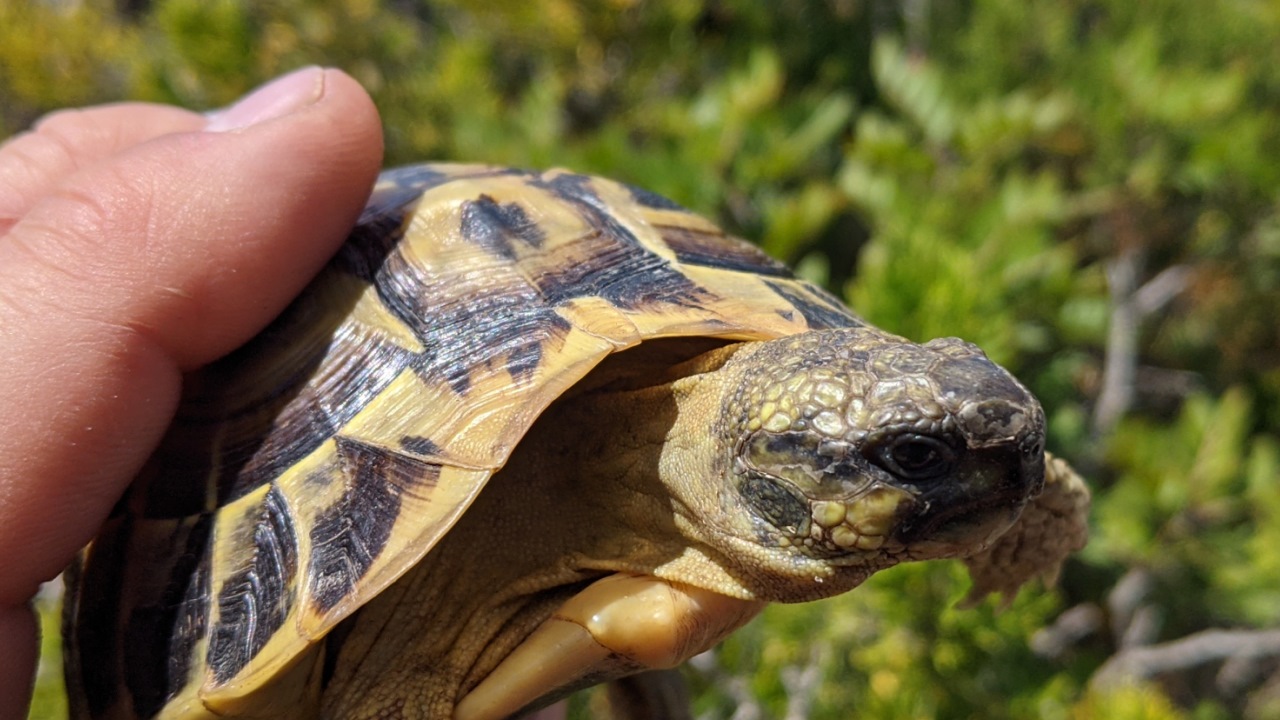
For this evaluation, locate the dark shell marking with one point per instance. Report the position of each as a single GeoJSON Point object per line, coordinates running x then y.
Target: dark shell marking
{"type": "Point", "coordinates": [308, 469]}
{"type": "Point", "coordinates": [698, 247]}
{"type": "Point", "coordinates": [349, 534]}
{"type": "Point", "coordinates": [820, 310]}
{"type": "Point", "coordinates": [254, 602]}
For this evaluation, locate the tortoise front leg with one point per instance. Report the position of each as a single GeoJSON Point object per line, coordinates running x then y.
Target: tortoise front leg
{"type": "Point", "coordinates": [617, 626]}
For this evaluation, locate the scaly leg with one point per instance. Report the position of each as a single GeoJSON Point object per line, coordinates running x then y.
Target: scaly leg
{"type": "Point", "coordinates": [619, 625]}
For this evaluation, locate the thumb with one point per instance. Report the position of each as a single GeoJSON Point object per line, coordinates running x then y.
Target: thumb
{"type": "Point", "coordinates": [140, 265]}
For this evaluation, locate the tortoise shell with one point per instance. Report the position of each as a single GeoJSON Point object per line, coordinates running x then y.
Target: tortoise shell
{"type": "Point", "coordinates": [310, 469]}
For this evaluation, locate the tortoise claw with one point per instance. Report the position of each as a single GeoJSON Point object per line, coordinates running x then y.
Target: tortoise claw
{"type": "Point", "coordinates": [619, 625]}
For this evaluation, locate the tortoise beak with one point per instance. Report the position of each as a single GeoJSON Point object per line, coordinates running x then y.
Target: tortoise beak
{"type": "Point", "coordinates": [981, 500]}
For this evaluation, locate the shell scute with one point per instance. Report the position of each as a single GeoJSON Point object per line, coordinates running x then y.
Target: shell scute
{"type": "Point", "coordinates": [653, 200]}
{"type": "Point", "coordinates": [255, 599]}
{"type": "Point", "coordinates": [348, 536]}
{"type": "Point", "coordinates": [496, 226]}
{"type": "Point", "coordinates": [490, 310]}
{"type": "Point", "coordinates": [819, 309]}
{"type": "Point", "coordinates": [711, 248]}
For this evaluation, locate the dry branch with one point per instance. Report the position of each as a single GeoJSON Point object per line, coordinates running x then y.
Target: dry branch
{"type": "Point", "coordinates": [1151, 661]}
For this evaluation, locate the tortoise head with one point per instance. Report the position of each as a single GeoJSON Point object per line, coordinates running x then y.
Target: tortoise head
{"type": "Point", "coordinates": [845, 451]}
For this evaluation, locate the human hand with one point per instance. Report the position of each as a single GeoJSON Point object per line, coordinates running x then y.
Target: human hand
{"type": "Point", "coordinates": [138, 242]}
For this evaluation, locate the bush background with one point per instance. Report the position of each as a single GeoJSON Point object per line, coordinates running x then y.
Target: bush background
{"type": "Point", "coordinates": [1089, 189]}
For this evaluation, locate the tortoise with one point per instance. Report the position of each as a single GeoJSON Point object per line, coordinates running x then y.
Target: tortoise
{"type": "Point", "coordinates": [528, 432]}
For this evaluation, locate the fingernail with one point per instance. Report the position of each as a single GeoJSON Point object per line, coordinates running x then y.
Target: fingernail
{"type": "Point", "coordinates": [276, 99]}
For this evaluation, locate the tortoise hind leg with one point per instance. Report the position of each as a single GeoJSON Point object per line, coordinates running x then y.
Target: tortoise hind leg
{"type": "Point", "coordinates": [617, 626]}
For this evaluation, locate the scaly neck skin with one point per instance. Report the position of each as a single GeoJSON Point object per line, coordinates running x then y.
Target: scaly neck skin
{"type": "Point", "coordinates": [726, 550]}
{"type": "Point", "coordinates": [580, 498]}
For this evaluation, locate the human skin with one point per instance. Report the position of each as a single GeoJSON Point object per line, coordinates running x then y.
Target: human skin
{"type": "Point", "coordinates": [138, 242]}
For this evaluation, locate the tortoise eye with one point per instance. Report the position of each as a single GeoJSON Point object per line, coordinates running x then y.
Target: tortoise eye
{"type": "Point", "coordinates": [916, 457]}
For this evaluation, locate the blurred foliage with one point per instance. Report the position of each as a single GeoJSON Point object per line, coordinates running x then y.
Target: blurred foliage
{"type": "Point", "coordinates": [1089, 189]}
{"type": "Point", "coordinates": [50, 699]}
